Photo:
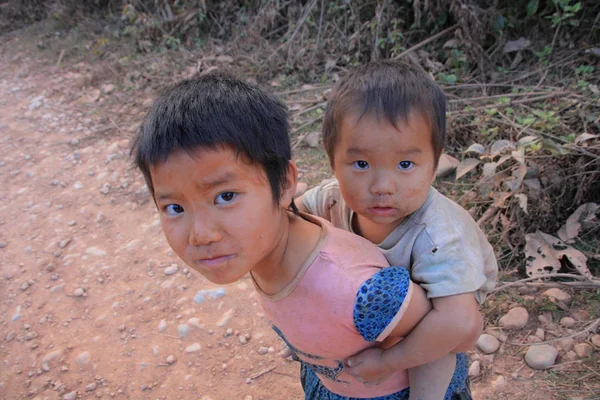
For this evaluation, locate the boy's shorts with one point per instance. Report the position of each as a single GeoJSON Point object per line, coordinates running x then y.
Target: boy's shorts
{"type": "Point", "coordinates": [314, 389]}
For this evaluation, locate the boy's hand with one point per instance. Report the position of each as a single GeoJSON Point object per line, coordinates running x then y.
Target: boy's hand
{"type": "Point", "coordinates": [368, 367]}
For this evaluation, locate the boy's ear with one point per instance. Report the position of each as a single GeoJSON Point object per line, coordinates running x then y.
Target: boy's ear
{"type": "Point", "coordinates": [291, 182]}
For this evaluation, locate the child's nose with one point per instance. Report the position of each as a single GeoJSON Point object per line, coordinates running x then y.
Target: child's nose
{"type": "Point", "coordinates": [383, 184]}
{"type": "Point", "coordinates": [204, 232]}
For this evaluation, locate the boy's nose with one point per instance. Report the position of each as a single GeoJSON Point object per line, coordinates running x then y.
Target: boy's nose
{"type": "Point", "coordinates": [203, 232]}
{"type": "Point", "coordinates": [383, 184]}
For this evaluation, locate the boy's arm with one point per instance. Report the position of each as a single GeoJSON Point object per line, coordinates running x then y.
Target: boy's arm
{"type": "Point", "coordinates": [453, 323]}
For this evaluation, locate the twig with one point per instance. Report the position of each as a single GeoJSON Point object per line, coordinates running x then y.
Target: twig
{"type": "Point", "coordinates": [426, 41]}
{"type": "Point", "coordinates": [60, 57]}
{"type": "Point", "coordinates": [555, 275]}
{"type": "Point", "coordinates": [497, 96]}
{"type": "Point", "coordinates": [298, 26]}
{"type": "Point", "coordinates": [309, 109]}
{"type": "Point", "coordinates": [301, 138]}
{"type": "Point", "coordinates": [549, 55]}
{"type": "Point", "coordinates": [306, 89]}
{"type": "Point", "coordinates": [261, 373]}
{"type": "Point", "coordinates": [590, 327]}
{"type": "Point", "coordinates": [165, 335]}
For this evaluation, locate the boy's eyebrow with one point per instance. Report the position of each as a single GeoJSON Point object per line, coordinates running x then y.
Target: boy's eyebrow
{"type": "Point", "coordinates": [204, 184]}
{"type": "Point", "coordinates": [356, 150]}
{"type": "Point", "coordinates": [209, 183]}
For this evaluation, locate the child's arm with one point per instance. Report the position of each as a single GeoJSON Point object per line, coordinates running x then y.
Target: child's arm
{"type": "Point", "coordinates": [452, 324]}
{"type": "Point", "coordinates": [300, 205]}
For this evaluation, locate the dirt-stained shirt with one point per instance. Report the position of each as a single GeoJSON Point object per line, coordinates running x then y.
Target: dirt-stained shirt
{"type": "Point", "coordinates": [440, 243]}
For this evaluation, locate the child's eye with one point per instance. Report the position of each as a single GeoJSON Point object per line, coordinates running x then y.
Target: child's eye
{"type": "Point", "coordinates": [173, 209]}
{"type": "Point", "coordinates": [225, 198]}
{"type": "Point", "coordinates": [360, 165]}
{"type": "Point", "coordinates": [405, 165]}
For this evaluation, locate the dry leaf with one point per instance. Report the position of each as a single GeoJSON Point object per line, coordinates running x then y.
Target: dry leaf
{"type": "Point", "coordinates": [527, 140]}
{"type": "Point", "coordinates": [489, 169]}
{"type": "Point", "coordinates": [475, 148]}
{"type": "Point", "coordinates": [516, 45]}
{"type": "Point", "coordinates": [522, 201]}
{"type": "Point", "coordinates": [519, 174]}
{"type": "Point", "coordinates": [544, 253]}
{"type": "Point", "coordinates": [570, 230]}
{"type": "Point", "coordinates": [502, 160]}
{"type": "Point", "coordinates": [501, 146]}
{"type": "Point", "coordinates": [446, 165]}
{"type": "Point", "coordinates": [584, 137]}
{"type": "Point", "coordinates": [465, 166]}
{"type": "Point", "coordinates": [500, 199]}
{"type": "Point", "coordinates": [519, 155]}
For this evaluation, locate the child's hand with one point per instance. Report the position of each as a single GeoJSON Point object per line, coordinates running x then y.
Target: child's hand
{"type": "Point", "coordinates": [368, 367]}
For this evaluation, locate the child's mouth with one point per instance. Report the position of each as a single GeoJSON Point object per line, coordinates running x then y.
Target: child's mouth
{"type": "Point", "coordinates": [382, 211]}
{"type": "Point", "coordinates": [215, 261]}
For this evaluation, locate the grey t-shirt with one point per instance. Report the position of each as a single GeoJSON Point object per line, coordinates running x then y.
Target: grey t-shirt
{"type": "Point", "coordinates": [441, 244]}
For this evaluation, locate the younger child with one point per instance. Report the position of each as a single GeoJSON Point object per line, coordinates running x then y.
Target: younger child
{"type": "Point", "coordinates": [384, 131]}
{"type": "Point", "coordinates": [215, 154]}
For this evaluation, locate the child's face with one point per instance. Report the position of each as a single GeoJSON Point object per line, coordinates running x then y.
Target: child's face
{"type": "Point", "coordinates": [384, 172]}
{"type": "Point", "coordinates": [218, 214]}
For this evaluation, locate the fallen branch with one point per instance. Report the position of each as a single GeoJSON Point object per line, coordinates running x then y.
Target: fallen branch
{"type": "Point", "coordinates": [426, 41]}
{"type": "Point", "coordinates": [533, 278]}
{"type": "Point", "coordinates": [263, 372]}
{"type": "Point", "coordinates": [588, 328]}
{"type": "Point", "coordinates": [309, 109]}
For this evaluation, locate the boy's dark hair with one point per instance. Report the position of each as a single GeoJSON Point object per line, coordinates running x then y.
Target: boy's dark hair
{"type": "Point", "coordinates": [391, 89]}
{"type": "Point", "coordinates": [214, 110]}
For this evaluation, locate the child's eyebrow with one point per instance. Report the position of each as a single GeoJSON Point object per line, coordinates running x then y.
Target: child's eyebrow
{"type": "Point", "coordinates": [212, 182]}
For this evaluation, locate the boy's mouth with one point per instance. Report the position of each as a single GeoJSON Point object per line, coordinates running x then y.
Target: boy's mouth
{"type": "Point", "coordinates": [382, 211]}
{"type": "Point", "coordinates": [214, 261]}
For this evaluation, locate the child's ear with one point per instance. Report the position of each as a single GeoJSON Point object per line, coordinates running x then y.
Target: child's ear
{"type": "Point", "coordinates": [291, 182]}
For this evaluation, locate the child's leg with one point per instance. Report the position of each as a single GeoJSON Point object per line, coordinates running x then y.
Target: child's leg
{"type": "Point", "coordinates": [431, 381]}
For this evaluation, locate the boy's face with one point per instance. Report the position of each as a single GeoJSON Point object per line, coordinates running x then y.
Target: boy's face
{"type": "Point", "coordinates": [217, 212]}
{"type": "Point", "coordinates": [384, 171]}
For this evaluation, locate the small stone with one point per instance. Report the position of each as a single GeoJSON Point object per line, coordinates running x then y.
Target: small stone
{"type": "Point", "coordinates": [195, 322]}
{"type": "Point", "coordinates": [105, 189]}
{"type": "Point", "coordinates": [242, 339]}
{"type": "Point", "coordinates": [45, 367]}
{"type": "Point", "coordinates": [171, 359]}
{"type": "Point", "coordinates": [541, 356]}
{"type": "Point", "coordinates": [171, 270]}
{"type": "Point", "coordinates": [64, 243]}
{"type": "Point", "coordinates": [95, 251]}
{"type": "Point", "coordinates": [229, 332]}
{"type": "Point", "coordinates": [516, 318]}
{"type": "Point", "coordinates": [487, 343]}
{"type": "Point", "coordinates": [183, 330]}
{"type": "Point", "coordinates": [192, 348]}
{"type": "Point", "coordinates": [567, 344]}
{"type": "Point", "coordinates": [83, 358]}
{"type": "Point", "coordinates": [24, 286]}
{"type": "Point", "coordinates": [571, 355]}
{"type": "Point", "coordinates": [583, 350]}
{"type": "Point", "coordinates": [567, 322]}
{"type": "Point", "coordinates": [122, 328]}
{"type": "Point", "coordinates": [162, 325]}
{"type": "Point", "coordinates": [498, 383]}
{"type": "Point", "coordinates": [64, 368]}
{"type": "Point", "coordinates": [10, 336]}
{"type": "Point", "coordinates": [263, 350]}
{"type": "Point", "coordinates": [540, 334]}
{"type": "Point", "coordinates": [558, 294]}
{"type": "Point", "coordinates": [91, 387]}
{"type": "Point", "coordinates": [78, 292]}
{"type": "Point", "coordinates": [596, 340]}
{"type": "Point", "coordinates": [52, 356]}
{"type": "Point", "coordinates": [475, 369]}
{"type": "Point", "coordinates": [70, 396]}
{"type": "Point", "coordinates": [581, 315]}
{"type": "Point", "coordinates": [30, 336]}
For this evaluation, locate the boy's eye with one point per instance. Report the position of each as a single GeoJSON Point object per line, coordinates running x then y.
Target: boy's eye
{"type": "Point", "coordinates": [225, 198]}
{"type": "Point", "coordinates": [360, 165]}
{"type": "Point", "coordinates": [173, 209]}
{"type": "Point", "coordinates": [405, 165]}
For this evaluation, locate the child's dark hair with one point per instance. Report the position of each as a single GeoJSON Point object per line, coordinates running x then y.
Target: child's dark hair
{"type": "Point", "coordinates": [391, 89]}
{"type": "Point", "coordinates": [213, 110]}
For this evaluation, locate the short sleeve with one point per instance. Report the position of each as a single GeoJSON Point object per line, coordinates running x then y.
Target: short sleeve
{"type": "Point", "coordinates": [319, 200]}
{"type": "Point", "coordinates": [380, 303]}
{"type": "Point", "coordinates": [449, 262]}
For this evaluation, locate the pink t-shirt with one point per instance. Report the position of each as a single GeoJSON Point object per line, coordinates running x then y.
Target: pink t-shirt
{"type": "Point", "coordinates": [316, 314]}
